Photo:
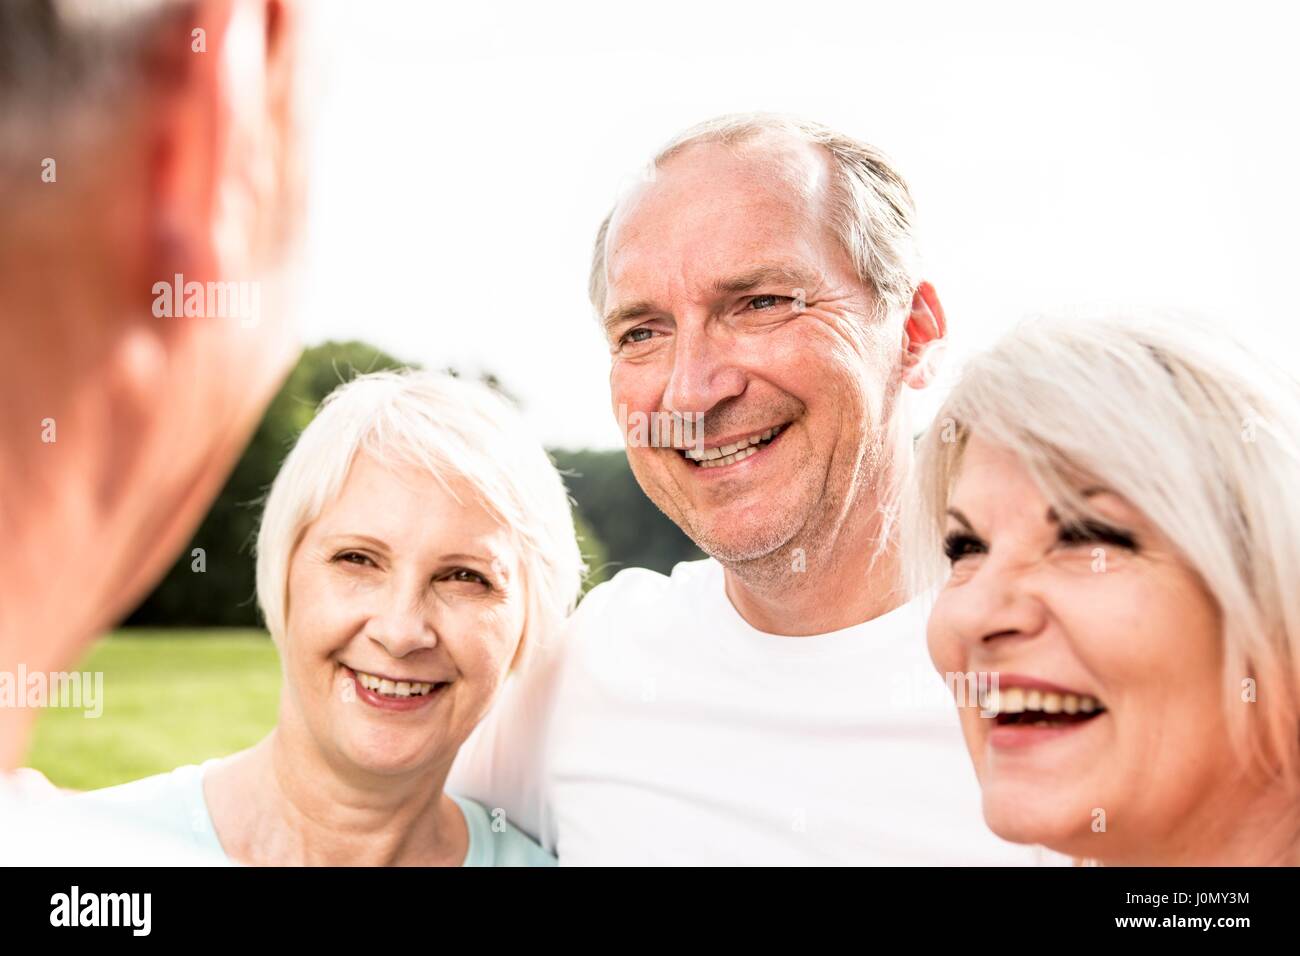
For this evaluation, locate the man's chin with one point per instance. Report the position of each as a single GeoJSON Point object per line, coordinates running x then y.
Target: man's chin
{"type": "Point", "coordinates": [739, 542]}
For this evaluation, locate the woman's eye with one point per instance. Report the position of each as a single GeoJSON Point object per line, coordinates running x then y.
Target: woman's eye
{"type": "Point", "coordinates": [468, 576]}
{"type": "Point", "coordinates": [1093, 533]}
{"type": "Point", "coordinates": [958, 545]}
{"type": "Point", "coordinates": [353, 557]}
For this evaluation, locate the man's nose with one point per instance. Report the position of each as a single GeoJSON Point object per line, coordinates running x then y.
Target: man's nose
{"type": "Point", "coordinates": [704, 370]}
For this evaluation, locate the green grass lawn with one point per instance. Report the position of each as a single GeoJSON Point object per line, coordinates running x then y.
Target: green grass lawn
{"type": "Point", "coordinates": [170, 698]}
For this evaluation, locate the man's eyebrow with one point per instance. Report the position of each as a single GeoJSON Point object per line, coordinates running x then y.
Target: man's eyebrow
{"type": "Point", "coordinates": [627, 313]}
{"type": "Point", "coordinates": [785, 276]}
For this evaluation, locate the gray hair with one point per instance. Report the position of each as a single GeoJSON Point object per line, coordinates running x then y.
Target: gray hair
{"type": "Point", "coordinates": [872, 209]}
{"type": "Point", "coordinates": [64, 63]}
{"type": "Point", "coordinates": [1195, 431]}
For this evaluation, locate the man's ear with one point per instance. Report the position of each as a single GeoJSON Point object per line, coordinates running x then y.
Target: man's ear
{"type": "Point", "coordinates": [214, 66]}
{"type": "Point", "coordinates": [923, 335]}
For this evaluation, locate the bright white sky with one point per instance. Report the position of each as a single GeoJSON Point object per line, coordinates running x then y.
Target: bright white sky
{"type": "Point", "coordinates": [1059, 154]}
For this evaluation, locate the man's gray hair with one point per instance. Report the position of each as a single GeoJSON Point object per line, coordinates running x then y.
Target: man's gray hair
{"type": "Point", "coordinates": [872, 209]}
{"type": "Point", "coordinates": [64, 62]}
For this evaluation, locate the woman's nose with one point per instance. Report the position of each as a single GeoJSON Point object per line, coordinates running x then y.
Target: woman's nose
{"type": "Point", "coordinates": [997, 603]}
{"type": "Point", "coordinates": [405, 623]}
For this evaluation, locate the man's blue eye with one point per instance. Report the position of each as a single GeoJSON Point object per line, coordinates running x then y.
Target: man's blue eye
{"type": "Point", "coordinates": [765, 301]}
{"type": "Point", "coordinates": [635, 335]}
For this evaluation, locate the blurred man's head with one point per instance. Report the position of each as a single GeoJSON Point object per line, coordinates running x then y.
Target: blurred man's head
{"type": "Point", "coordinates": [765, 276]}
{"type": "Point", "coordinates": [146, 146]}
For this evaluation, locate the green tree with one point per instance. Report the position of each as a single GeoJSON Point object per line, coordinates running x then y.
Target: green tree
{"type": "Point", "coordinates": [223, 593]}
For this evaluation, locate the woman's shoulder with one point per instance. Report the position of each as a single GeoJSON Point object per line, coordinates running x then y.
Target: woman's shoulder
{"type": "Point", "coordinates": [170, 803]}
{"type": "Point", "coordinates": [494, 841]}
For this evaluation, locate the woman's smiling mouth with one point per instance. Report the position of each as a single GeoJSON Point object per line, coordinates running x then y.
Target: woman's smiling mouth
{"type": "Point", "coordinates": [1029, 712]}
{"type": "Point", "coordinates": [393, 694]}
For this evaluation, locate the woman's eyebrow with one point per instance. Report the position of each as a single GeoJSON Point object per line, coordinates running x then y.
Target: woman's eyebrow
{"type": "Point", "coordinates": [962, 519]}
{"type": "Point", "coordinates": [461, 556]}
{"type": "Point", "coordinates": [368, 539]}
{"type": "Point", "coordinates": [1054, 518]}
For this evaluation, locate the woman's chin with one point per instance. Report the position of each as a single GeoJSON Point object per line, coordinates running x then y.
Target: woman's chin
{"type": "Point", "coordinates": [1056, 821]}
{"type": "Point", "coordinates": [388, 754]}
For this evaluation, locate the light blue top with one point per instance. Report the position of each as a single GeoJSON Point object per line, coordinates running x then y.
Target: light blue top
{"type": "Point", "coordinates": [173, 805]}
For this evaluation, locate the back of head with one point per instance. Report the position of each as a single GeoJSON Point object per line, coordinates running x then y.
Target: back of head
{"type": "Point", "coordinates": [149, 177]}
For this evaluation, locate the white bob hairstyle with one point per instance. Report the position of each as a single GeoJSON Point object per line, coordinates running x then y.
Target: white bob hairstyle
{"type": "Point", "coordinates": [1193, 430]}
{"type": "Point", "coordinates": [456, 431]}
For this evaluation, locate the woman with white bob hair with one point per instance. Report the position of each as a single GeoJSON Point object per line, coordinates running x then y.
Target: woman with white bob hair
{"type": "Point", "coordinates": [417, 545]}
{"type": "Point", "coordinates": [1110, 505]}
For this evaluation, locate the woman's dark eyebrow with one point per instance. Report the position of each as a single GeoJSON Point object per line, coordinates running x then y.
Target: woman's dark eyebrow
{"type": "Point", "coordinates": [965, 523]}
{"type": "Point", "coordinates": [1054, 518]}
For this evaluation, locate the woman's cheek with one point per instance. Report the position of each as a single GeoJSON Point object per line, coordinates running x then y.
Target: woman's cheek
{"type": "Point", "coordinates": [944, 646]}
{"type": "Point", "coordinates": [482, 639]}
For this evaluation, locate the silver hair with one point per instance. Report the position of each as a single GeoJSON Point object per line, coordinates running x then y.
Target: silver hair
{"type": "Point", "coordinates": [872, 208]}
{"type": "Point", "coordinates": [64, 64]}
{"type": "Point", "coordinates": [1197, 432]}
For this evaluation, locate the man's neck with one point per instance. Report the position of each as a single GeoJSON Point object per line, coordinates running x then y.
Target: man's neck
{"type": "Point", "coordinates": [847, 576]}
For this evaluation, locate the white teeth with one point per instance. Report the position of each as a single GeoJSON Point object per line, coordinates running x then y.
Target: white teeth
{"type": "Point", "coordinates": [729, 458]}
{"type": "Point", "coordinates": [727, 454]}
{"type": "Point", "coordinates": [1015, 700]}
{"type": "Point", "coordinates": [393, 688]}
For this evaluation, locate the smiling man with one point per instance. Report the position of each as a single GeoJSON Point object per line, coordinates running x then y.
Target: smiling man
{"type": "Point", "coordinates": [773, 703]}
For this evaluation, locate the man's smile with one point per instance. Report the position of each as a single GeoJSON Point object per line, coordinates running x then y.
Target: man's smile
{"type": "Point", "coordinates": [724, 453]}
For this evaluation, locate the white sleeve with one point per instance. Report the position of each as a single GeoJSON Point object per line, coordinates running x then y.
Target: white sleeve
{"type": "Point", "coordinates": [504, 763]}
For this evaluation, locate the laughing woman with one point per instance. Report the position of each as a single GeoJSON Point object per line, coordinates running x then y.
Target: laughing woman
{"type": "Point", "coordinates": [1117, 500]}
{"type": "Point", "coordinates": [416, 545]}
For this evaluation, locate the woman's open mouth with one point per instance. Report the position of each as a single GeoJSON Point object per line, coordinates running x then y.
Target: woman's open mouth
{"type": "Point", "coordinates": [1027, 715]}
{"type": "Point", "coordinates": [733, 452]}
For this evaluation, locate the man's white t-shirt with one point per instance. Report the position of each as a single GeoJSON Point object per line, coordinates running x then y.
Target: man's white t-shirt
{"type": "Point", "coordinates": [664, 729]}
